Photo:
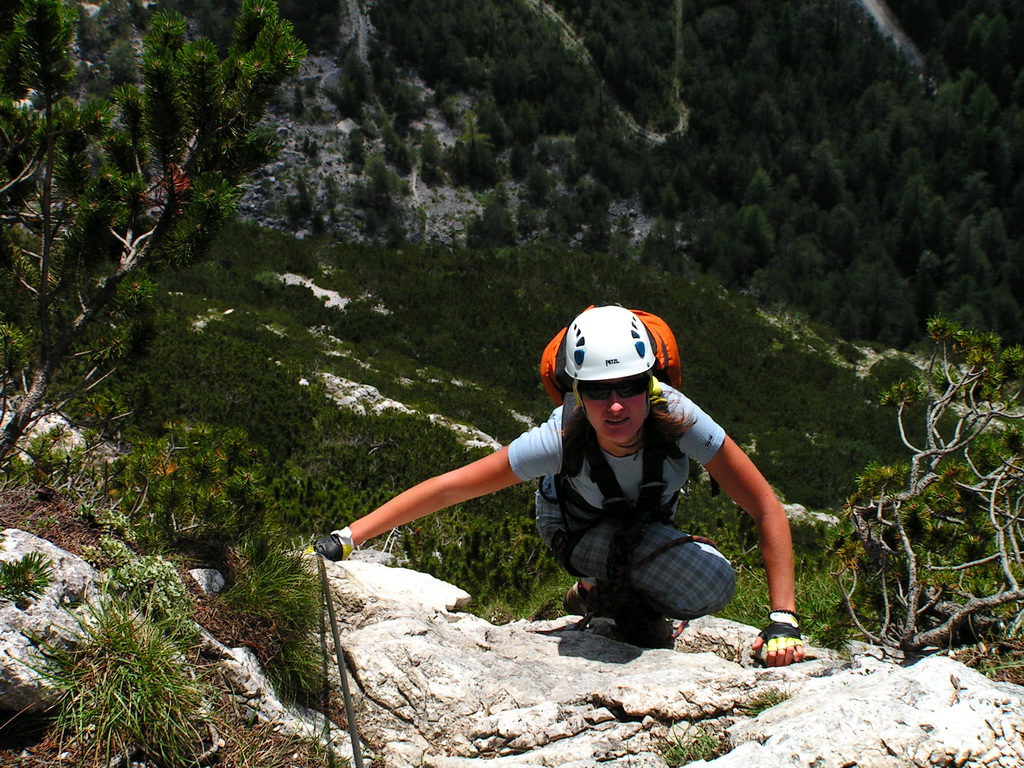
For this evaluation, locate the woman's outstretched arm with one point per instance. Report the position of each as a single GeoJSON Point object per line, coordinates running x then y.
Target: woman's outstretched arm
{"type": "Point", "coordinates": [486, 475]}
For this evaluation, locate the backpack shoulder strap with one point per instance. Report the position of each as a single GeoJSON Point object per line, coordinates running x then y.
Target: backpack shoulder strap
{"type": "Point", "coordinates": [652, 483]}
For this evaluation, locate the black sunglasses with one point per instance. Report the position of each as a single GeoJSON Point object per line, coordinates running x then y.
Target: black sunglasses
{"type": "Point", "coordinates": [602, 390]}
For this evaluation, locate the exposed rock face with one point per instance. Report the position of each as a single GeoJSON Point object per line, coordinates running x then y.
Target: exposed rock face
{"type": "Point", "coordinates": [51, 618]}
{"type": "Point", "coordinates": [439, 688]}
{"type": "Point", "coordinates": [935, 712]}
{"type": "Point", "coordinates": [447, 689]}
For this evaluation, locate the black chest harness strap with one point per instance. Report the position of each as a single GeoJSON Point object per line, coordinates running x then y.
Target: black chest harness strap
{"type": "Point", "coordinates": [634, 516]}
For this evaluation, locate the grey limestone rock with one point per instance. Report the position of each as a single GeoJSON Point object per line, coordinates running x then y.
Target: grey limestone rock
{"type": "Point", "coordinates": [436, 686]}
{"type": "Point", "coordinates": [49, 618]}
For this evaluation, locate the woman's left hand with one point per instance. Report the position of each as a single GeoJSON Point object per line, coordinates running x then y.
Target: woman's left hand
{"type": "Point", "coordinates": [781, 641]}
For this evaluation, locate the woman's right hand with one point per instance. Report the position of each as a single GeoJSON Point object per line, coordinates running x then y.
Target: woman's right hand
{"type": "Point", "coordinates": [338, 545]}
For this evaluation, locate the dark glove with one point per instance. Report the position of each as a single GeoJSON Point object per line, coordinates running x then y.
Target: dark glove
{"type": "Point", "coordinates": [782, 633]}
{"type": "Point", "coordinates": [336, 546]}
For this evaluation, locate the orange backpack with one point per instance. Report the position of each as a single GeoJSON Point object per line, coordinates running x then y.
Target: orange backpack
{"type": "Point", "coordinates": [667, 367]}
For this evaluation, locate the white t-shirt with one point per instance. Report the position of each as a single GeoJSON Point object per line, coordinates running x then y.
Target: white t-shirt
{"type": "Point", "coordinates": [538, 453]}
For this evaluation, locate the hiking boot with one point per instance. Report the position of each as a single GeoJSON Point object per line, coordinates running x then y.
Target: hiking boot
{"type": "Point", "coordinates": [643, 627]}
{"type": "Point", "coordinates": [575, 600]}
{"type": "Point", "coordinates": [637, 623]}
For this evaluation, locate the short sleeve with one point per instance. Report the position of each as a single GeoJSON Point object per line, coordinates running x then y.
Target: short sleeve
{"type": "Point", "coordinates": [538, 452]}
{"type": "Point", "coordinates": [704, 437]}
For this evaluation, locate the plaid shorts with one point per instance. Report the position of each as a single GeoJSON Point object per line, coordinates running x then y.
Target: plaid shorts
{"type": "Point", "coordinates": [683, 582]}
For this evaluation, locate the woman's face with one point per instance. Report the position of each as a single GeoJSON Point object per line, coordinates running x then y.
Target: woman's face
{"type": "Point", "coordinates": [616, 410]}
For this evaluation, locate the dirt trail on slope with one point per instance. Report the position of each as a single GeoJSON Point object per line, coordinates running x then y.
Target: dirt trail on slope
{"type": "Point", "coordinates": [574, 43]}
{"type": "Point", "coordinates": [890, 26]}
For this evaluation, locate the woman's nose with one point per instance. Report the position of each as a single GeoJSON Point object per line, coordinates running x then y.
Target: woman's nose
{"type": "Point", "coordinates": [615, 401]}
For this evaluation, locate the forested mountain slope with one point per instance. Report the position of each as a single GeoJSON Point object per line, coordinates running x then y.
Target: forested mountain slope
{"type": "Point", "coordinates": [805, 160]}
{"type": "Point", "coordinates": [458, 181]}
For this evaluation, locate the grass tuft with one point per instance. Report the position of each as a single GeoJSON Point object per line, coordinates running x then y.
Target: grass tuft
{"type": "Point", "coordinates": [124, 689]}
{"type": "Point", "coordinates": [275, 587]}
{"type": "Point", "coordinates": [695, 741]}
{"type": "Point", "coordinates": [763, 701]}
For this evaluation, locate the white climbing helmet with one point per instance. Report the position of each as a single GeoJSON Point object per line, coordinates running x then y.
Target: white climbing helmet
{"type": "Point", "coordinates": [607, 343]}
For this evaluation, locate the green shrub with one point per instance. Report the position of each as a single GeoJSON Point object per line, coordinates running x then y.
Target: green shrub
{"type": "Point", "coordinates": [199, 492]}
{"type": "Point", "coordinates": [934, 559]}
{"type": "Point", "coordinates": [151, 584]}
{"type": "Point", "coordinates": [198, 483]}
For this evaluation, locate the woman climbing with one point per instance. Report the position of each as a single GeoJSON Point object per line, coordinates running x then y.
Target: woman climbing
{"type": "Point", "coordinates": [612, 461]}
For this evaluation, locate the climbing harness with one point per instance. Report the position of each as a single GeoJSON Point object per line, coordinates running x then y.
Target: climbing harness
{"type": "Point", "coordinates": [635, 516]}
{"type": "Point", "coordinates": [346, 694]}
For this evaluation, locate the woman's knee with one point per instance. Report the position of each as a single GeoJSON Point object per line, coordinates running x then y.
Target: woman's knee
{"type": "Point", "coordinates": [697, 581]}
{"type": "Point", "coordinates": [692, 603]}
{"type": "Point", "coordinates": [717, 593]}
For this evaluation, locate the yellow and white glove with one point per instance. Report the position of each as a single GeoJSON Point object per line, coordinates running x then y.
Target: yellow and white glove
{"type": "Point", "coordinates": [338, 545]}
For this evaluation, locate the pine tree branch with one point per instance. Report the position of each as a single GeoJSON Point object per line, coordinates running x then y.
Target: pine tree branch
{"type": "Point", "coordinates": [939, 635]}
